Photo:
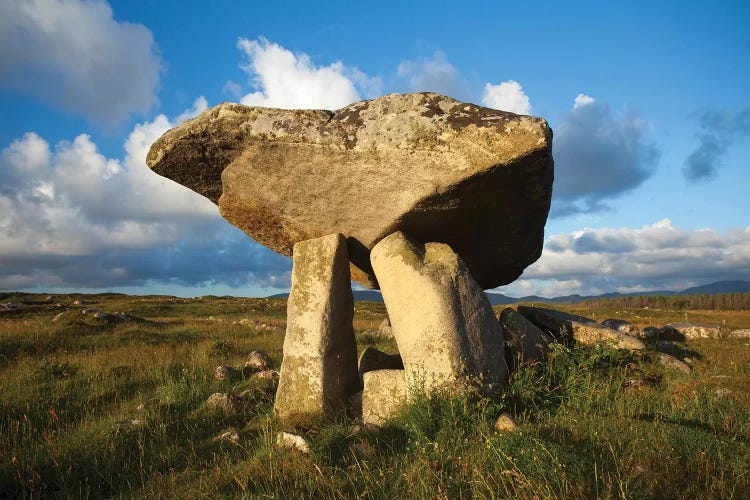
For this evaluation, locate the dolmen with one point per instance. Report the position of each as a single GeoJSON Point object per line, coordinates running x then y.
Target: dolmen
{"type": "Point", "coordinates": [426, 198]}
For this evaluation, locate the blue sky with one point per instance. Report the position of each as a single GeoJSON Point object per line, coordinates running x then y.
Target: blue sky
{"type": "Point", "coordinates": [649, 102]}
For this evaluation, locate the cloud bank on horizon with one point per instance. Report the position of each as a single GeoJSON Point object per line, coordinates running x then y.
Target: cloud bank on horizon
{"type": "Point", "coordinates": [70, 217]}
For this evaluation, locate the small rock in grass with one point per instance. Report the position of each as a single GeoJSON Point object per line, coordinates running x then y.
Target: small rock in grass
{"type": "Point", "coordinates": [292, 441]}
{"type": "Point", "coordinates": [258, 360]}
{"type": "Point", "coordinates": [229, 404]}
{"type": "Point", "coordinates": [740, 334]}
{"type": "Point", "coordinates": [722, 392]}
{"type": "Point", "coordinates": [266, 375]}
{"type": "Point", "coordinates": [634, 384]}
{"type": "Point", "coordinates": [131, 422]}
{"type": "Point", "coordinates": [222, 372]}
{"type": "Point", "coordinates": [622, 326]}
{"type": "Point", "coordinates": [673, 363]}
{"type": "Point", "coordinates": [232, 435]}
{"type": "Point", "coordinates": [505, 423]}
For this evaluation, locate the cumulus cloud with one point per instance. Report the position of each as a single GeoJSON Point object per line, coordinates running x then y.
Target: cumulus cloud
{"type": "Point", "coordinates": [598, 156]}
{"type": "Point", "coordinates": [283, 79]}
{"type": "Point", "coordinates": [71, 217]}
{"type": "Point", "coordinates": [659, 256]}
{"type": "Point", "coordinates": [507, 96]}
{"type": "Point", "coordinates": [76, 56]}
{"type": "Point", "coordinates": [434, 74]}
{"type": "Point", "coordinates": [717, 131]}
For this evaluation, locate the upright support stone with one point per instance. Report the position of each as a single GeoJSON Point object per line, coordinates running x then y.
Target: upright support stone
{"type": "Point", "coordinates": [444, 325]}
{"type": "Point", "coordinates": [319, 368]}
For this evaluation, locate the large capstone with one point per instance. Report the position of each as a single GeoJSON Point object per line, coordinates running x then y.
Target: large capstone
{"type": "Point", "coordinates": [319, 368]}
{"type": "Point", "coordinates": [438, 169]}
{"type": "Point", "coordinates": [442, 321]}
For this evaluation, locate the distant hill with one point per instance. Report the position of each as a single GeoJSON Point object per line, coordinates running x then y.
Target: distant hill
{"type": "Point", "coordinates": [719, 287]}
{"type": "Point", "coordinates": [711, 289]}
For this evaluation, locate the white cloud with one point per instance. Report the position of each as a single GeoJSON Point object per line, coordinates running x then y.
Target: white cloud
{"type": "Point", "coordinates": [507, 96]}
{"type": "Point", "coordinates": [659, 256]}
{"type": "Point", "coordinates": [199, 106]}
{"type": "Point", "coordinates": [70, 216]}
{"type": "Point", "coordinates": [233, 89]}
{"type": "Point", "coordinates": [283, 79]}
{"type": "Point", "coordinates": [76, 56]}
{"type": "Point", "coordinates": [434, 74]}
{"type": "Point", "coordinates": [582, 100]}
{"type": "Point", "coordinates": [598, 156]}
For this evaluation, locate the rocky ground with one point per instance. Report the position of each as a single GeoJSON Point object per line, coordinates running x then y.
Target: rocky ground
{"type": "Point", "coordinates": [108, 395]}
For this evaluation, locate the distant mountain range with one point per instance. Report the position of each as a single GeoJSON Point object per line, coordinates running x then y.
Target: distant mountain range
{"type": "Point", "coordinates": [497, 299]}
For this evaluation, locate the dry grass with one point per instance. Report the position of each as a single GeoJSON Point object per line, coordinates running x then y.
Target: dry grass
{"type": "Point", "coordinates": [72, 388]}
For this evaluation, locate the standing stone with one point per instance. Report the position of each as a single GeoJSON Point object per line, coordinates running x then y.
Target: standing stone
{"type": "Point", "coordinates": [383, 397]}
{"type": "Point", "coordinates": [319, 368]}
{"type": "Point", "coordinates": [442, 321]}
{"type": "Point", "coordinates": [566, 326]}
{"type": "Point", "coordinates": [523, 338]}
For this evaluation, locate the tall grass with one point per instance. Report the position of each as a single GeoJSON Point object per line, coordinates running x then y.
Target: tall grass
{"type": "Point", "coordinates": [593, 422]}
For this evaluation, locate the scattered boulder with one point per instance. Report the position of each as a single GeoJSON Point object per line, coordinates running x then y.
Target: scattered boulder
{"type": "Point", "coordinates": [383, 397]}
{"type": "Point", "coordinates": [690, 331]}
{"type": "Point", "coordinates": [672, 363]}
{"type": "Point", "coordinates": [665, 345]}
{"type": "Point", "coordinates": [443, 323]}
{"type": "Point", "coordinates": [79, 302]}
{"type": "Point", "coordinates": [385, 330]}
{"type": "Point", "coordinates": [622, 326]}
{"type": "Point", "coordinates": [649, 333]}
{"type": "Point", "coordinates": [11, 306]}
{"type": "Point", "coordinates": [634, 384]}
{"type": "Point", "coordinates": [223, 372]}
{"type": "Point", "coordinates": [524, 340]}
{"type": "Point", "coordinates": [373, 359]}
{"type": "Point", "coordinates": [565, 326]}
{"type": "Point", "coordinates": [229, 404]}
{"type": "Point", "coordinates": [258, 360]}
{"type": "Point", "coordinates": [740, 334]}
{"type": "Point", "coordinates": [475, 178]}
{"type": "Point", "coordinates": [230, 436]}
{"type": "Point", "coordinates": [505, 423]}
{"type": "Point", "coordinates": [91, 310]}
{"type": "Point", "coordinates": [319, 367]}
{"type": "Point", "coordinates": [266, 375]}
{"type": "Point", "coordinates": [292, 442]}
{"type": "Point", "coordinates": [723, 392]}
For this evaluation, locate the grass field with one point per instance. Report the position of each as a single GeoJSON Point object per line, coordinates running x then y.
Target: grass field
{"type": "Point", "coordinates": [592, 422]}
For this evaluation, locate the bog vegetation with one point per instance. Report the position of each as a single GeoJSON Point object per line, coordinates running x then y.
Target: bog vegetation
{"type": "Point", "coordinates": [93, 408]}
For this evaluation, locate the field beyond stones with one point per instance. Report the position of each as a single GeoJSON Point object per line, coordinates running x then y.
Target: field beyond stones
{"type": "Point", "coordinates": [96, 408]}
